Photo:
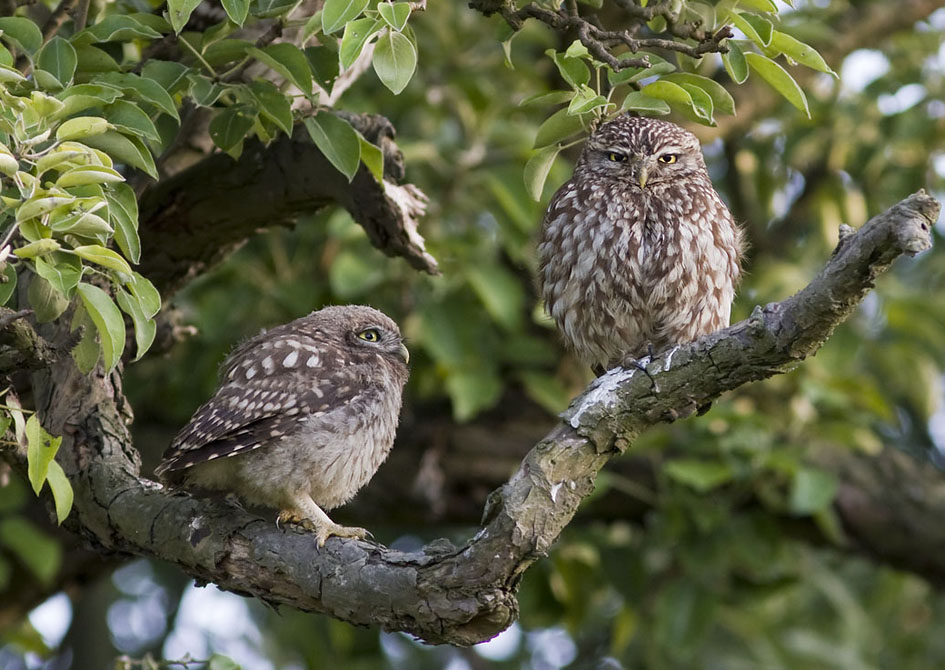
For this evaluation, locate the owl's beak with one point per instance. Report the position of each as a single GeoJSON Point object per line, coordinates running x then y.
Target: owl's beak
{"type": "Point", "coordinates": [640, 170]}
{"type": "Point", "coordinates": [404, 353]}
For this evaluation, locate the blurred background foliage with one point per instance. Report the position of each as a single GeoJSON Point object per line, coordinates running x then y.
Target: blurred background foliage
{"type": "Point", "coordinates": [710, 578]}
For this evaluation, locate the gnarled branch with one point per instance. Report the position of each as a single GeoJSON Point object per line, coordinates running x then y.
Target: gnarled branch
{"type": "Point", "coordinates": [198, 217]}
{"type": "Point", "coordinates": [446, 594]}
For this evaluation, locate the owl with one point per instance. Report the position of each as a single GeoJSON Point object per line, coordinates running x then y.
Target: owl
{"type": "Point", "coordinates": [304, 415]}
{"type": "Point", "coordinates": [637, 251]}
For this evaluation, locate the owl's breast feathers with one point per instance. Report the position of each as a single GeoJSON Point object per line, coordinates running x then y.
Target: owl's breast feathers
{"type": "Point", "coordinates": [623, 269]}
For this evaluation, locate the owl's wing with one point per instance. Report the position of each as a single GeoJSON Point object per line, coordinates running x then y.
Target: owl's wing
{"type": "Point", "coordinates": [269, 384]}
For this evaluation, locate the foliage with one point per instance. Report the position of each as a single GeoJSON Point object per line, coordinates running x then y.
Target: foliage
{"type": "Point", "coordinates": [711, 575]}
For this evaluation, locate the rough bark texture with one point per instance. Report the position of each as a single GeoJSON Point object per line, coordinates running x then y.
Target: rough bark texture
{"type": "Point", "coordinates": [195, 219]}
{"type": "Point", "coordinates": [446, 594]}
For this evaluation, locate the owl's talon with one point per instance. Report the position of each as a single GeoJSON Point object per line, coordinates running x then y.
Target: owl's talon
{"type": "Point", "coordinates": [323, 529]}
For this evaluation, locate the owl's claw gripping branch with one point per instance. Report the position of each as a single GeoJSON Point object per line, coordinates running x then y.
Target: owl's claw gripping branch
{"type": "Point", "coordinates": [322, 526]}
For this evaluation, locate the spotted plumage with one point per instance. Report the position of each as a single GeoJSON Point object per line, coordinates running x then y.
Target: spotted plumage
{"type": "Point", "coordinates": [637, 250]}
{"type": "Point", "coordinates": [304, 415]}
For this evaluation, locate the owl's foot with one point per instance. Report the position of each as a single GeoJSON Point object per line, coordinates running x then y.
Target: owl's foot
{"type": "Point", "coordinates": [322, 526]}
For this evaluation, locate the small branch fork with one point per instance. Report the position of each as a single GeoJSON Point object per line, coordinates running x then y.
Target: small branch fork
{"type": "Point", "coordinates": [446, 594]}
{"type": "Point", "coordinates": [602, 42]}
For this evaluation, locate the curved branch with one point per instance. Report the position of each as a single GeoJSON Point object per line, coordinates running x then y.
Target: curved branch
{"type": "Point", "coordinates": [195, 219]}
{"type": "Point", "coordinates": [445, 594]}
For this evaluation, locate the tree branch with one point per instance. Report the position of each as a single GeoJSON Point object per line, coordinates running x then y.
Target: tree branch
{"type": "Point", "coordinates": [198, 217]}
{"type": "Point", "coordinates": [445, 594]}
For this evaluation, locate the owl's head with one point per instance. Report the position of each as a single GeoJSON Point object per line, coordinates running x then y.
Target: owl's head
{"type": "Point", "coordinates": [365, 332]}
{"type": "Point", "coordinates": [642, 152]}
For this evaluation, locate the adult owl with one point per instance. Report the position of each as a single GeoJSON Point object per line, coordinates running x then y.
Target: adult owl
{"type": "Point", "coordinates": [637, 251]}
{"type": "Point", "coordinates": [304, 415]}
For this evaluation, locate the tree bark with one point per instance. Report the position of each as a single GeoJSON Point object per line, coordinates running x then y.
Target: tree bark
{"type": "Point", "coordinates": [446, 594]}
{"type": "Point", "coordinates": [193, 220]}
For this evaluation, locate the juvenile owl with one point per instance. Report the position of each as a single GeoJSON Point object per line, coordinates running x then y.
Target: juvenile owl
{"type": "Point", "coordinates": [637, 250]}
{"type": "Point", "coordinates": [304, 415]}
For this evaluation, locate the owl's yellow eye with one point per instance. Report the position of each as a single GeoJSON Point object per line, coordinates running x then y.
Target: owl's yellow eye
{"type": "Point", "coordinates": [669, 159]}
{"type": "Point", "coordinates": [616, 157]}
{"type": "Point", "coordinates": [370, 335]}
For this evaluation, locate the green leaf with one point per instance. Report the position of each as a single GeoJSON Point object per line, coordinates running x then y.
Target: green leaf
{"type": "Point", "coordinates": [703, 476]}
{"type": "Point", "coordinates": [573, 70]}
{"type": "Point", "coordinates": [220, 662]}
{"type": "Point", "coordinates": [7, 285]}
{"type": "Point", "coordinates": [547, 99]}
{"type": "Point", "coordinates": [324, 64]}
{"type": "Point", "coordinates": [36, 249]}
{"type": "Point", "coordinates": [41, 448]}
{"type": "Point", "coordinates": [83, 96]}
{"type": "Point", "coordinates": [586, 100]}
{"type": "Point", "coordinates": [123, 213]}
{"type": "Point", "coordinates": [682, 99]}
{"type": "Point", "coordinates": [558, 127]}
{"type": "Point", "coordinates": [39, 553]}
{"type": "Point", "coordinates": [337, 140]}
{"type": "Point", "coordinates": [757, 29]}
{"type": "Point", "coordinates": [501, 294]}
{"type": "Point", "coordinates": [108, 322]}
{"type": "Point", "coordinates": [124, 149]}
{"type": "Point", "coordinates": [59, 58]}
{"type": "Point", "coordinates": [116, 28]}
{"type": "Point", "coordinates": [237, 10]}
{"type": "Point", "coordinates": [721, 99]}
{"type": "Point", "coordinates": [179, 12]}
{"type": "Point", "coordinates": [779, 79]}
{"type": "Point", "coordinates": [373, 159]}
{"type": "Point", "coordinates": [102, 256]}
{"type": "Point", "coordinates": [41, 204]}
{"type": "Point", "coordinates": [395, 59]}
{"type": "Point", "coordinates": [537, 169]}
{"type": "Point", "coordinates": [170, 76]}
{"type": "Point", "coordinates": [356, 35]}
{"type": "Point", "coordinates": [45, 301]}
{"type": "Point", "coordinates": [638, 102]}
{"type": "Point", "coordinates": [337, 13]}
{"type": "Point", "coordinates": [472, 391]}
{"type": "Point", "coordinates": [226, 51]}
{"type": "Point", "coordinates": [800, 52]}
{"type": "Point", "coordinates": [395, 14]}
{"type": "Point", "coordinates": [734, 62]}
{"type": "Point", "coordinates": [61, 270]}
{"type": "Point", "coordinates": [86, 353]}
{"type": "Point", "coordinates": [89, 174]}
{"type": "Point", "coordinates": [289, 61]}
{"type": "Point", "coordinates": [61, 490]}
{"type": "Point", "coordinates": [81, 127]}
{"type": "Point", "coordinates": [273, 104]}
{"type": "Point", "coordinates": [229, 128]}
{"type": "Point", "coordinates": [148, 296]}
{"type": "Point", "coordinates": [760, 5]}
{"type": "Point", "coordinates": [812, 490]}
{"type": "Point", "coordinates": [23, 32]}
{"type": "Point", "coordinates": [702, 104]}
{"type": "Point", "coordinates": [268, 9]}
{"type": "Point", "coordinates": [128, 116]}
{"type": "Point", "coordinates": [145, 328]}
{"type": "Point", "coordinates": [204, 90]}
{"type": "Point", "coordinates": [92, 60]}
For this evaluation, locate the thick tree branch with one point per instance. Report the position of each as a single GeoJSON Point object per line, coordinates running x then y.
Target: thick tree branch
{"type": "Point", "coordinates": [195, 219]}
{"type": "Point", "coordinates": [446, 594]}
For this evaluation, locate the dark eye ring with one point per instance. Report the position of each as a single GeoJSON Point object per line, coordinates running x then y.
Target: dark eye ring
{"type": "Point", "coordinates": [616, 157]}
{"type": "Point", "coordinates": [669, 159]}
{"type": "Point", "coordinates": [370, 335]}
